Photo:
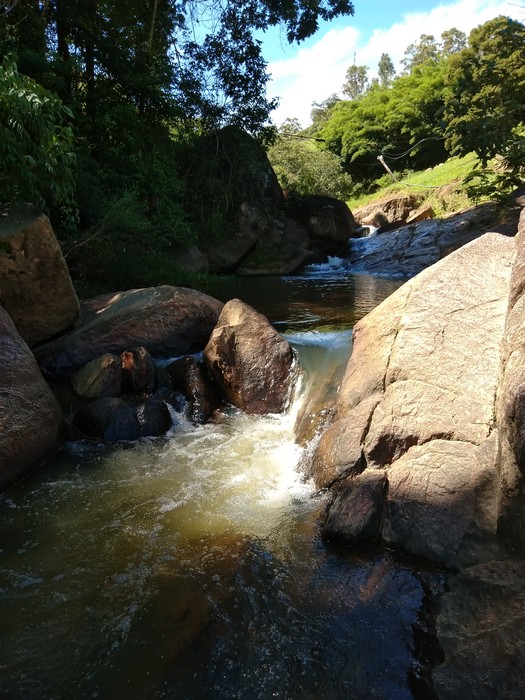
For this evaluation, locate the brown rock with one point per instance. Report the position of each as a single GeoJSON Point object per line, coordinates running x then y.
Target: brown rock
{"type": "Point", "coordinates": [388, 210]}
{"type": "Point", "coordinates": [30, 417]}
{"type": "Point", "coordinates": [422, 213]}
{"type": "Point", "coordinates": [166, 320]}
{"type": "Point", "coordinates": [250, 363]}
{"type": "Point", "coordinates": [418, 399]}
{"type": "Point", "coordinates": [140, 371]}
{"type": "Point", "coordinates": [35, 286]}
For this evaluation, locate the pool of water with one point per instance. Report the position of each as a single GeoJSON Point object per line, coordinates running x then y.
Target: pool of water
{"type": "Point", "coordinates": [191, 566]}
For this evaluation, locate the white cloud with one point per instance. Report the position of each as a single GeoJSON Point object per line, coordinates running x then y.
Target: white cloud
{"type": "Point", "coordinates": [316, 72]}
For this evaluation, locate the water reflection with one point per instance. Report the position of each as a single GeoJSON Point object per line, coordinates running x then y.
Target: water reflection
{"type": "Point", "coordinates": [323, 298]}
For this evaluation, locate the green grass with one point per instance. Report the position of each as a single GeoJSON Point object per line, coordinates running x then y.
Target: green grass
{"type": "Point", "coordinates": [454, 170]}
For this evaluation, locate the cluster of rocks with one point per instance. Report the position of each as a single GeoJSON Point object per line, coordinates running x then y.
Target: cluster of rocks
{"type": "Point", "coordinates": [245, 363]}
{"type": "Point", "coordinates": [96, 372]}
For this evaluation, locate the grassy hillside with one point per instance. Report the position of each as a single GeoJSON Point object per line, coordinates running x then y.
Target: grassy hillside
{"type": "Point", "coordinates": [428, 183]}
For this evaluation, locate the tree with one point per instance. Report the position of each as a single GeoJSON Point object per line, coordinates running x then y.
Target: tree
{"type": "Point", "coordinates": [385, 70]}
{"type": "Point", "coordinates": [422, 51]}
{"type": "Point", "coordinates": [484, 97]}
{"type": "Point", "coordinates": [321, 110]}
{"type": "Point", "coordinates": [402, 121]}
{"type": "Point", "coordinates": [37, 161]}
{"type": "Point", "coordinates": [302, 167]}
{"type": "Point", "coordinates": [452, 41]}
{"type": "Point", "coordinates": [356, 81]}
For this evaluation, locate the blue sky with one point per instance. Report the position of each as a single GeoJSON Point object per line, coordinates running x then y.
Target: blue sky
{"type": "Point", "coordinates": [316, 68]}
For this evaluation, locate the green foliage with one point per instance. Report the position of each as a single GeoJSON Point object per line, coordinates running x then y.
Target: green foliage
{"type": "Point", "coordinates": [149, 85]}
{"type": "Point", "coordinates": [302, 167]}
{"type": "Point", "coordinates": [390, 122]}
{"type": "Point", "coordinates": [36, 143]}
{"type": "Point", "coordinates": [485, 90]}
{"type": "Point", "coordinates": [421, 52]}
{"type": "Point", "coordinates": [485, 110]}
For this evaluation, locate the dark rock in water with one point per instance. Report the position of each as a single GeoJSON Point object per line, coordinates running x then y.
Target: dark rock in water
{"type": "Point", "coordinates": [107, 419]}
{"type": "Point", "coordinates": [140, 371]}
{"type": "Point", "coordinates": [191, 378]}
{"type": "Point", "coordinates": [356, 513]}
{"type": "Point", "coordinates": [174, 398]}
{"type": "Point", "coordinates": [153, 418]}
{"type": "Point", "coordinates": [250, 363]}
{"type": "Point", "coordinates": [100, 377]}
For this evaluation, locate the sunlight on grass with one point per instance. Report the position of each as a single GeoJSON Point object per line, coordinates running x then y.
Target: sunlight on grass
{"type": "Point", "coordinates": [423, 182]}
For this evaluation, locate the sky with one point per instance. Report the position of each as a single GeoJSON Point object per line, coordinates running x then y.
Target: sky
{"type": "Point", "coordinates": [315, 69]}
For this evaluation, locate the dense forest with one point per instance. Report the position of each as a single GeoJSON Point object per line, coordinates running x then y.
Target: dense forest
{"type": "Point", "coordinates": [454, 96]}
{"type": "Point", "coordinates": [138, 126]}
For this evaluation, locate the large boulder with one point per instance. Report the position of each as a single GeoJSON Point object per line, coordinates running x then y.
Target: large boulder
{"type": "Point", "coordinates": [167, 320]}
{"type": "Point", "coordinates": [418, 401]}
{"type": "Point", "coordinates": [30, 418]}
{"type": "Point", "coordinates": [249, 361]}
{"type": "Point", "coordinates": [328, 221]}
{"type": "Point", "coordinates": [35, 286]}
{"type": "Point", "coordinates": [510, 407]}
{"type": "Point", "coordinates": [393, 210]}
{"type": "Point", "coordinates": [410, 249]}
{"type": "Point", "coordinates": [282, 249]}
{"type": "Point", "coordinates": [480, 633]}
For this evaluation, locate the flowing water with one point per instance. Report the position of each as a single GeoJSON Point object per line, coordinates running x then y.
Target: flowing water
{"type": "Point", "coordinates": [191, 566]}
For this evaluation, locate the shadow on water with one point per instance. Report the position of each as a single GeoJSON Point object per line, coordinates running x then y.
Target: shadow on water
{"type": "Point", "coordinates": [192, 566]}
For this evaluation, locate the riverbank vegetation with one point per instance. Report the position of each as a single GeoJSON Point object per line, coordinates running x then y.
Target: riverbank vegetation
{"type": "Point", "coordinates": [457, 97]}
{"type": "Point", "coordinates": [126, 124]}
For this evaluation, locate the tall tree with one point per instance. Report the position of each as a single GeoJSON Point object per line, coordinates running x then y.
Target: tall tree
{"type": "Point", "coordinates": [385, 70]}
{"type": "Point", "coordinates": [485, 110]}
{"type": "Point", "coordinates": [422, 51]}
{"type": "Point", "coordinates": [356, 81]}
{"type": "Point", "coordinates": [452, 41]}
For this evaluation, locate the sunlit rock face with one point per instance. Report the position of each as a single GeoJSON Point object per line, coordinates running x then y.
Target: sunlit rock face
{"type": "Point", "coordinates": [418, 401]}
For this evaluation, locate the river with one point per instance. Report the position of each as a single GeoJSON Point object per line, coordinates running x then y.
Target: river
{"type": "Point", "coordinates": [191, 566]}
